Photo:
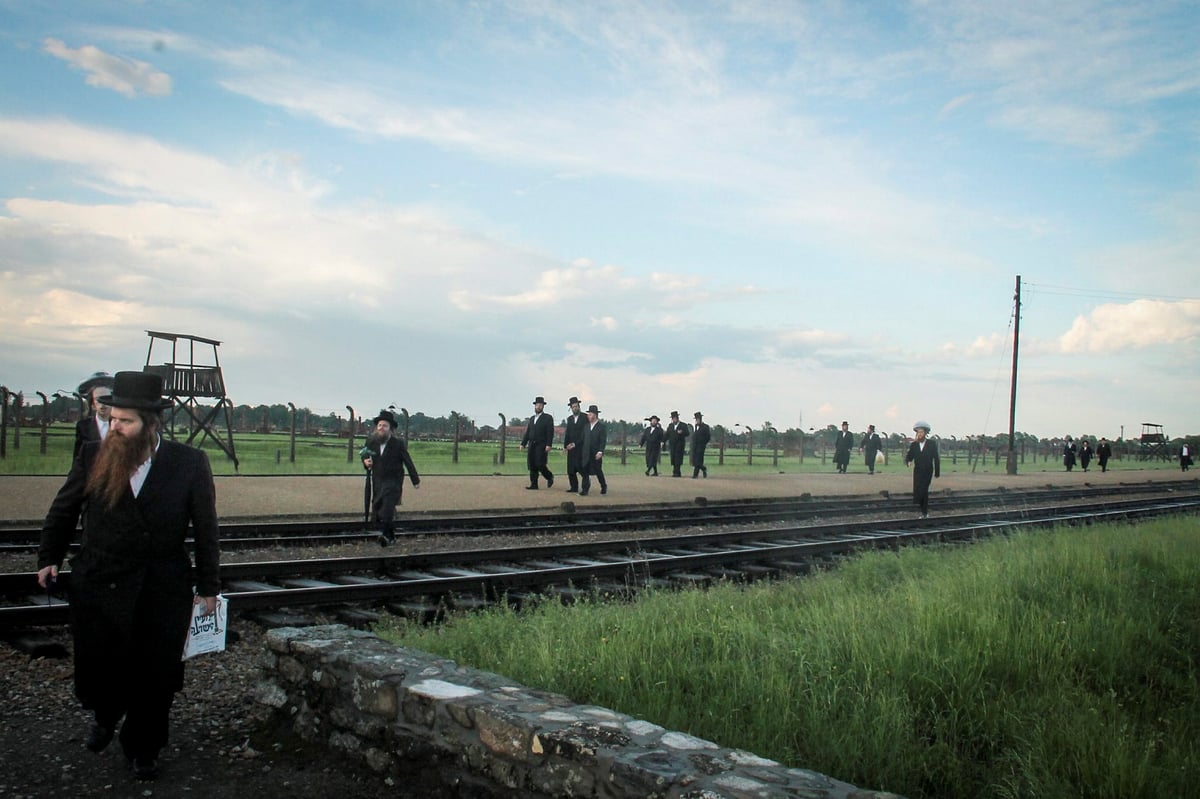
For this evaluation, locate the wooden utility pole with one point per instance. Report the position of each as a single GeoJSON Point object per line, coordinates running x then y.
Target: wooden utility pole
{"type": "Point", "coordinates": [1012, 395]}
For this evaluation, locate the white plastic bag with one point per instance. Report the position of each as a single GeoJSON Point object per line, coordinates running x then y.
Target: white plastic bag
{"type": "Point", "coordinates": [206, 633]}
{"type": "Point", "coordinates": [878, 457]}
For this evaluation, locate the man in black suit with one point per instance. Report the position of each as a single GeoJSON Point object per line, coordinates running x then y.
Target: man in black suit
{"type": "Point", "coordinates": [131, 580]}
{"type": "Point", "coordinates": [539, 437]}
{"type": "Point", "coordinates": [677, 436]}
{"type": "Point", "coordinates": [870, 446]}
{"type": "Point", "coordinates": [652, 440]}
{"type": "Point", "coordinates": [386, 455]}
{"type": "Point", "coordinates": [701, 434]}
{"type": "Point", "coordinates": [841, 448]}
{"type": "Point", "coordinates": [573, 443]}
{"type": "Point", "coordinates": [1103, 453]}
{"type": "Point", "coordinates": [595, 436]}
{"type": "Point", "coordinates": [94, 426]}
{"type": "Point", "coordinates": [923, 454]}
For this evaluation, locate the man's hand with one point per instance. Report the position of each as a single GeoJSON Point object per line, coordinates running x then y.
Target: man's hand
{"type": "Point", "coordinates": [47, 575]}
{"type": "Point", "coordinates": [210, 604]}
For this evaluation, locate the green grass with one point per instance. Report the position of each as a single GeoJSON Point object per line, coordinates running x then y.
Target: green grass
{"type": "Point", "coordinates": [270, 454]}
{"type": "Point", "coordinates": [1044, 664]}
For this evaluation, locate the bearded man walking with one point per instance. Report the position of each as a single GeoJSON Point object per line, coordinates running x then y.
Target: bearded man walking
{"type": "Point", "coordinates": [131, 580]}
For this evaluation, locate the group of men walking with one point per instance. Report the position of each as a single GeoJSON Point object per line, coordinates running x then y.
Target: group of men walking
{"type": "Point", "coordinates": [675, 437]}
{"type": "Point", "coordinates": [871, 446]}
{"type": "Point", "coordinates": [584, 439]}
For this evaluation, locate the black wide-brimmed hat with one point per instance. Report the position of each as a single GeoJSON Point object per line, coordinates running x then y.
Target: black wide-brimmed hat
{"type": "Point", "coordinates": [386, 416]}
{"type": "Point", "coordinates": [573, 401]}
{"type": "Point", "coordinates": [652, 418]}
{"type": "Point", "coordinates": [537, 400]}
{"type": "Point", "coordinates": [674, 414]}
{"type": "Point", "coordinates": [140, 391]}
{"type": "Point", "coordinates": [593, 409]}
{"type": "Point", "coordinates": [97, 379]}
{"type": "Point", "coordinates": [697, 415]}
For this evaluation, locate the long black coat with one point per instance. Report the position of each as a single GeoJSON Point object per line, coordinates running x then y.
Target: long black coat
{"type": "Point", "coordinates": [677, 436]}
{"type": "Point", "coordinates": [573, 434]}
{"type": "Point", "coordinates": [595, 438]}
{"type": "Point", "coordinates": [926, 463]}
{"type": "Point", "coordinates": [842, 446]}
{"type": "Point", "coordinates": [652, 439]}
{"type": "Point", "coordinates": [387, 470]}
{"type": "Point", "coordinates": [871, 444]}
{"type": "Point", "coordinates": [539, 434]}
{"type": "Point", "coordinates": [701, 434]}
{"type": "Point", "coordinates": [131, 581]}
{"type": "Point", "coordinates": [85, 431]}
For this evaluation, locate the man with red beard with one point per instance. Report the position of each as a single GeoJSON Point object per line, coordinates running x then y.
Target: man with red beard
{"type": "Point", "coordinates": [131, 582]}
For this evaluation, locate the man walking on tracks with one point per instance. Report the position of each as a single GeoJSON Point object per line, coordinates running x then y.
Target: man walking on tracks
{"type": "Point", "coordinates": [386, 455]}
{"type": "Point", "coordinates": [923, 455]}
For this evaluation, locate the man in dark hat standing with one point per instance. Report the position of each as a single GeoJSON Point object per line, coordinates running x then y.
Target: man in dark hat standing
{"type": "Point", "coordinates": [701, 433]}
{"type": "Point", "coordinates": [573, 443]}
{"type": "Point", "coordinates": [539, 437]}
{"type": "Point", "coordinates": [386, 455]}
{"type": "Point", "coordinates": [131, 580]}
{"type": "Point", "coordinates": [595, 436]}
{"type": "Point", "coordinates": [676, 437]}
{"type": "Point", "coordinates": [94, 426]}
{"type": "Point", "coordinates": [841, 448]}
{"type": "Point", "coordinates": [652, 440]}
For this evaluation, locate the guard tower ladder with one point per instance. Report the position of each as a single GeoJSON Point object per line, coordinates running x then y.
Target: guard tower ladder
{"type": "Point", "coordinates": [186, 382]}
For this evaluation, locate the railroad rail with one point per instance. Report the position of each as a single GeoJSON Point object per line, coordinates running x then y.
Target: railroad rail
{"type": "Point", "coordinates": [427, 585]}
{"type": "Point", "coordinates": [569, 518]}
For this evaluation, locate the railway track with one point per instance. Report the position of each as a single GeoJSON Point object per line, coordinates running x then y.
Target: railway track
{"type": "Point", "coordinates": [356, 589]}
{"type": "Point", "coordinates": [241, 535]}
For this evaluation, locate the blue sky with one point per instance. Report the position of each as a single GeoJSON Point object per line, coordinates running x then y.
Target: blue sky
{"type": "Point", "coordinates": [795, 212]}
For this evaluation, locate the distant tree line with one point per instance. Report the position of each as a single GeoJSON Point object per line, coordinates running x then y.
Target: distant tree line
{"type": "Point", "coordinates": [762, 439]}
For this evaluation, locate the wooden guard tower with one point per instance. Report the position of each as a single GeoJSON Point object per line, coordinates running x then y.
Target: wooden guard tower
{"type": "Point", "coordinates": [1153, 443]}
{"type": "Point", "coordinates": [186, 382]}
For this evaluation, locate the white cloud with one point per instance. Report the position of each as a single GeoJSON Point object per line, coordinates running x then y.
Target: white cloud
{"type": "Point", "coordinates": [125, 76]}
{"type": "Point", "coordinates": [1142, 323]}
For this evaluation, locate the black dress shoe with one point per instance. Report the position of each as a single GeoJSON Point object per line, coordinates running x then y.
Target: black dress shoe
{"type": "Point", "coordinates": [99, 738]}
{"type": "Point", "coordinates": [572, 490]}
{"type": "Point", "coordinates": [550, 481]}
{"type": "Point", "coordinates": [144, 768]}
{"type": "Point", "coordinates": [531, 488]}
{"type": "Point", "coordinates": [603, 489]}
{"type": "Point", "coordinates": [583, 493]}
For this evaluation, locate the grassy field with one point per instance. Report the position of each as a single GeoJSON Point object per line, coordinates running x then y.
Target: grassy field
{"type": "Point", "coordinates": [1062, 664]}
{"type": "Point", "coordinates": [270, 454]}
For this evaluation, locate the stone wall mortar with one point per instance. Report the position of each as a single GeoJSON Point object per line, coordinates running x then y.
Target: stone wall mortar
{"type": "Point", "coordinates": [381, 705]}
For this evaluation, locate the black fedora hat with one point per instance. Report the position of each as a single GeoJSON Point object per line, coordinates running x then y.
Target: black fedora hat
{"type": "Point", "coordinates": [140, 391]}
{"type": "Point", "coordinates": [573, 401]}
{"type": "Point", "coordinates": [539, 400]}
{"type": "Point", "coordinates": [386, 416]}
{"type": "Point", "coordinates": [593, 409]}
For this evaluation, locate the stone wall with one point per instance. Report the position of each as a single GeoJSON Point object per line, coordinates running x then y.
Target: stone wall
{"type": "Point", "coordinates": [387, 708]}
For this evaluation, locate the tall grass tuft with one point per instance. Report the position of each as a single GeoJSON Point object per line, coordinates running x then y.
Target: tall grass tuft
{"type": "Point", "coordinates": [1041, 664]}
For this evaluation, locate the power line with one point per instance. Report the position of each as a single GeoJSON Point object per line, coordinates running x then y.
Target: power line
{"type": "Point", "coordinates": [1074, 291]}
